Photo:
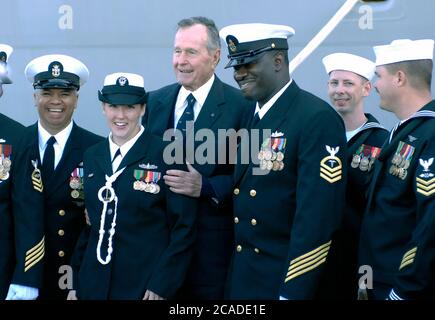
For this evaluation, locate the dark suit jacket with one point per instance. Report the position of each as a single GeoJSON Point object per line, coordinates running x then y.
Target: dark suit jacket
{"type": "Point", "coordinates": [154, 232]}
{"type": "Point", "coordinates": [224, 108]}
{"type": "Point", "coordinates": [10, 132]}
{"type": "Point", "coordinates": [397, 232]}
{"type": "Point", "coordinates": [285, 219]}
{"type": "Point", "coordinates": [47, 223]}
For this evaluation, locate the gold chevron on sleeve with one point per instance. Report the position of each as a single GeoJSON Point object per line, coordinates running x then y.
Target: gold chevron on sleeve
{"type": "Point", "coordinates": [408, 258]}
{"type": "Point", "coordinates": [330, 174]}
{"type": "Point", "coordinates": [426, 188]}
{"type": "Point", "coordinates": [34, 255]}
{"type": "Point", "coordinates": [308, 261]}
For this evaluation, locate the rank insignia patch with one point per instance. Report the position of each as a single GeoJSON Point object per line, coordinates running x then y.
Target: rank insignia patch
{"type": "Point", "coordinates": [36, 177]}
{"type": "Point", "coordinates": [331, 166]}
{"type": "Point", "coordinates": [425, 182]}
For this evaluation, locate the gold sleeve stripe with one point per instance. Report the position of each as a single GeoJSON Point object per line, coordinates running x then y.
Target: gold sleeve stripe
{"type": "Point", "coordinates": [34, 255]}
{"type": "Point", "coordinates": [409, 252]}
{"type": "Point", "coordinates": [34, 262]}
{"type": "Point", "coordinates": [30, 263]}
{"type": "Point", "coordinates": [406, 263]}
{"type": "Point", "coordinates": [41, 243]}
{"type": "Point", "coordinates": [307, 265]}
{"type": "Point", "coordinates": [305, 270]}
{"type": "Point", "coordinates": [308, 259]}
{"type": "Point", "coordinates": [408, 258]}
{"type": "Point", "coordinates": [311, 252]}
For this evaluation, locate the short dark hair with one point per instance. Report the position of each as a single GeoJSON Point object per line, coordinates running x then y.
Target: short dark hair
{"type": "Point", "coordinates": [214, 41]}
{"type": "Point", "coordinates": [418, 71]}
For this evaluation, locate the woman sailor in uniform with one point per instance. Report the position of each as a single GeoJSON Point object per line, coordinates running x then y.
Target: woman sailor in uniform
{"type": "Point", "coordinates": [138, 243]}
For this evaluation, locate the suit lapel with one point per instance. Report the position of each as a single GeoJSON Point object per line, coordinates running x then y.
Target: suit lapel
{"type": "Point", "coordinates": [102, 157]}
{"type": "Point", "coordinates": [210, 111]}
{"type": "Point", "coordinates": [71, 157]}
{"type": "Point", "coordinates": [137, 152]}
{"type": "Point", "coordinates": [163, 112]}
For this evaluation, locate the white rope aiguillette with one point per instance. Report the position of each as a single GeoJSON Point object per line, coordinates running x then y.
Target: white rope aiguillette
{"type": "Point", "coordinates": [108, 197]}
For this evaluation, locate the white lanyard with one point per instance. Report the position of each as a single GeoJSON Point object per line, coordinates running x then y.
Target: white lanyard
{"type": "Point", "coordinates": [109, 197]}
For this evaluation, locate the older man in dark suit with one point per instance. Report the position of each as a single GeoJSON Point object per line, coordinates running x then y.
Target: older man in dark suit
{"type": "Point", "coordinates": [10, 131]}
{"type": "Point", "coordinates": [47, 189]}
{"type": "Point", "coordinates": [199, 96]}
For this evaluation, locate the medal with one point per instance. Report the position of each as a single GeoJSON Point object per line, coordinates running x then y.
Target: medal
{"type": "Point", "coordinates": [260, 155]}
{"type": "Point", "coordinates": [137, 185]}
{"type": "Point", "coordinates": [267, 155]}
{"type": "Point", "coordinates": [402, 173]}
{"type": "Point", "coordinates": [75, 194]}
{"type": "Point", "coordinates": [7, 164]}
{"type": "Point", "coordinates": [269, 165]}
{"type": "Point", "coordinates": [356, 159]}
{"type": "Point", "coordinates": [280, 156]}
{"type": "Point", "coordinates": [364, 164]}
{"type": "Point", "coordinates": [263, 164]}
{"type": "Point", "coordinates": [275, 166]}
{"type": "Point", "coordinates": [74, 183]}
{"type": "Point", "coordinates": [274, 155]}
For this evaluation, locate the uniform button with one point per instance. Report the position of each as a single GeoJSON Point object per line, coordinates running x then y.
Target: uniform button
{"type": "Point", "coordinates": [236, 220]}
{"type": "Point", "coordinates": [61, 213]}
{"type": "Point", "coordinates": [253, 193]}
{"type": "Point", "coordinates": [61, 254]}
{"type": "Point", "coordinates": [257, 250]}
{"type": "Point", "coordinates": [236, 191]}
{"type": "Point", "coordinates": [254, 222]}
{"type": "Point", "coordinates": [61, 232]}
{"type": "Point", "coordinates": [239, 248]}
{"type": "Point", "coordinates": [110, 211]}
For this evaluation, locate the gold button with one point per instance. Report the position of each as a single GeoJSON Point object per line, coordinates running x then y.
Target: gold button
{"type": "Point", "coordinates": [61, 232]}
{"type": "Point", "coordinates": [236, 191]}
{"type": "Point", "coordinates": [257, 250]}
{"type": "Point", "coordinates": [253, 193]}
{"type": "Point", "coordinates": [254, 222]}
{"type": "Point", "coordinates": [61, 254]}
{"type": "Point", "coordinates": [62, 212]}
{"type": "Point", "coordinates": [239, 248]}
{"type": "Point", "coordinates": [236, 220]}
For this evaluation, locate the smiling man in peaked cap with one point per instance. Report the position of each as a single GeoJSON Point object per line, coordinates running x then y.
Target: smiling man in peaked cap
{"type": "Point", "coordinates": [282, 237]}
{"type": "Point", "coordinates": [47, 190]}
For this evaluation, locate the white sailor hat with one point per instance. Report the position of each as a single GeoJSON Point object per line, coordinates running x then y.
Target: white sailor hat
{"type": "Point", "coordinates": [404, 50]}
{"type": "Point", "coordinates": [123, 89]}
{"type": "Point", "coordinates": [5, 52]}
{"type": "Point", "coordinates": [349, 62]}
{"type": "Point", "coordinates": [56, 71]}
{"type": "Point", "coordinates": [247, 41]}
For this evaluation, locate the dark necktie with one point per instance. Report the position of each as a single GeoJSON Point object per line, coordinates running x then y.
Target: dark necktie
{"type": "Point", "coordinates": [117, 153]}
{"type": "Point", "coordinates": [187, 115]}
{"type": "Point", "coordinates": [255, 119]}
{"type": "Point", "coordinates": [48, 161]}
